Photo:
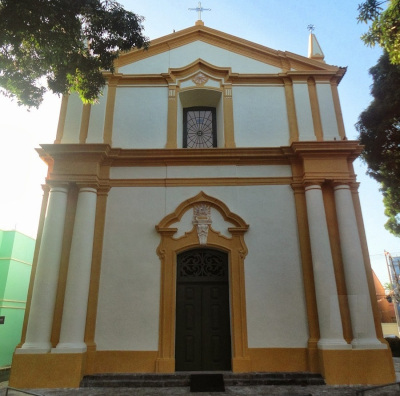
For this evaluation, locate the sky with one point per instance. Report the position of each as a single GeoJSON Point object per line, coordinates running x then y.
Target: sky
{"type": "Point", "coordinates": [277, 24]}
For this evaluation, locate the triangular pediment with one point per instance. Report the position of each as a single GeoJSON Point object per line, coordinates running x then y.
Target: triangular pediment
{"type": "Point", "coordinates": [282, 60]}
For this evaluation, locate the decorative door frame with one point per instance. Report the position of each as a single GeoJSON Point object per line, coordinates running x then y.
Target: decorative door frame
{"type": "Point", "coordinates": [168, 249]}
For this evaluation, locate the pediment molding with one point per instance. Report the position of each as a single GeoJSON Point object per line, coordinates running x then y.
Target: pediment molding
{"type": "Point", "coordinates": [202, 198]}
{"type": "Point", "coordinates": [284, 60]}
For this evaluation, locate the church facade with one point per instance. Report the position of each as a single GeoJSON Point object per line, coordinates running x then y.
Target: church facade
{"type": "Point", "coordinates": [204, 215]}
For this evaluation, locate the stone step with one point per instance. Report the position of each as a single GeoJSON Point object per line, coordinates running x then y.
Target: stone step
{"type": "Point", "coordinates": [183, 379]}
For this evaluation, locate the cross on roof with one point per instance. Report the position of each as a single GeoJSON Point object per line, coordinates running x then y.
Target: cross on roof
{"type": "Point", "coordinates": [199, 10]}
{"type": "Point", "coordinates": [310, 28]}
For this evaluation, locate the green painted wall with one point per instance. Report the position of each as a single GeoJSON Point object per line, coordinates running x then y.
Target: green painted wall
{"type": "Point", "coordinates": [16, 255]}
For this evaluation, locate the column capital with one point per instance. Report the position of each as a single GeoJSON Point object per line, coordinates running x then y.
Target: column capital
{"type": "Point", "coordinates": [89, 186]}
{"type": "Point", "coordinates": [313, 184]}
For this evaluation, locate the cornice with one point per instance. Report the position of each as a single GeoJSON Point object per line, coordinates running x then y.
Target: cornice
{"type": "Point", "coordinates": [349, 148]}
{"type": "Point", "coordinates": [284, 155]}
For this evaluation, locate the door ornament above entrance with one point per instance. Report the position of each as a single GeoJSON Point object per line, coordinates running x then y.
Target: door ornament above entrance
{"type": "Point", "coordinates": [202, 221]}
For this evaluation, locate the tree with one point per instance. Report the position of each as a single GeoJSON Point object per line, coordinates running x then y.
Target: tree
{"type": "Point", "coordinates": [66, 43]}
{"type": "Point", "coordinates": [379, 132]}
{"type": "Point", "coordinates": [385, 26]}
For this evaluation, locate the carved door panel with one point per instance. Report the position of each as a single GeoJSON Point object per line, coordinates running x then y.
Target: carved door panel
{"type": "Point", "coordinates": [203, 340]}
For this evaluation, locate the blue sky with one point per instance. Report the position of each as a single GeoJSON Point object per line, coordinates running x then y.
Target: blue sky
{"type": "Point", "coordinates": [278, 24]}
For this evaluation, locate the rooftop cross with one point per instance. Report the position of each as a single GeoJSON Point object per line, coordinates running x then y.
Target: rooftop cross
{"type": "Point", "coordinates": [199, 9]}
{"type": "Point", "coordinates": [310, 28]}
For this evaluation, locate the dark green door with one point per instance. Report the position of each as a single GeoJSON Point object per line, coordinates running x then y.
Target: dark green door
{"type": "Point", "coordinates": [203, 338]}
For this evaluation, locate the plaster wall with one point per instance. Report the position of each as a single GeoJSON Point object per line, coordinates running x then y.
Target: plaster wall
{"type": "Point", "coordinates": [159, 172]}
{"type": "Point", "coordinates": [97, 117]}
{"type": "Point", "coordinates": [73, 120]}
{"type": "Point", "coordinates": [186, 54]}
{"type": "Point", "coordinates": [303, 112]}
{"type": "Point", "coordinates": [264, 109]}
{"type": "Point", "coordinates": [140, 117]}
{"type": "Point", "coordinates": [327, 111]}
{"type": "Point", "coordinates": [130, 274]}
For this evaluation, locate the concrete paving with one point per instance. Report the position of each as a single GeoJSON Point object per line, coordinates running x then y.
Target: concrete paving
{"type": "Point", "coordinates": [270, 390]}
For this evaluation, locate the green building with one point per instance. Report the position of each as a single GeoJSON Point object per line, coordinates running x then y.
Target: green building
{"type": "Point", "coordinates": [16, 255]}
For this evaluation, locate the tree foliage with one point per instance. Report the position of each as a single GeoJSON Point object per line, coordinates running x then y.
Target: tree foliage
{"type": "Point", "coordinates": [385, 26]}
{"type": "Point", "coordinates": [66, 43]}
{"type": "Point", "coordinates": [379, 132]}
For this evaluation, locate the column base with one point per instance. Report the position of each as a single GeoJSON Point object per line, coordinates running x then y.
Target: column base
{"type": "Point", "coordinates": [31, 348]}
{"type": "Point", "coordinates": [70, 348]}
{"type": "Point", "coordinates": [332, 343]}
{"type": "Point", "coordinates": [367, 343]}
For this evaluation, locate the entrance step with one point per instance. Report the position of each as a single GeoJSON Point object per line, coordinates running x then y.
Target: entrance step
{"type": "Point", "coordinates": [183, 379]}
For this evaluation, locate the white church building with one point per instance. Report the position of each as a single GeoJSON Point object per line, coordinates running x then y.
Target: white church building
{"type": "Point", "coordinates": [203, 216]}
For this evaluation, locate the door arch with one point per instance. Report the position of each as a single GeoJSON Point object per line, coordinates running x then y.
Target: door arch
{"type": "Point", "coordinates": [168, 250]}
{"type": "Point", "coordinates": [202, 331]}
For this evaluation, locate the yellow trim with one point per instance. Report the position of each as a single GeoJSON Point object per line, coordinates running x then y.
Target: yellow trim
{"type": "Point", "coordinates": [217, 74]}
{"type": "Point", "coordinates": [338, 109]}
{"type": "Point", "coordinates": [223, 181]}
{"type": "Point", "coordinates": [352, 367]}
{"type": "Point", "coordinates": [291, 111]}
{"type": "Point", "coordinates": [278, 359]}
{"type": "Point", "coordinates": [316, 116]}
{"type": "Point", "coordinates": [62, 118]}
{"type": "Point", "coordinates": [172, 124]}
{"type": "Point", "coordinates": [109, 116]}
{"type": "Point", "coordinates": [47, 370]}
{"type": "Point", "coordinates": [229, 131]}
{"type": "Point", "coordinates": [123, 362]}
{"type": "Point", "coordinates": [167, 251]}
{"type": "Point", "coordinates": [83, 133]}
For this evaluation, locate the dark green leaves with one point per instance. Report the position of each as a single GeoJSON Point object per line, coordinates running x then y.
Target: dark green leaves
{"type": "Point", "coordinates": [379, 132]}
{"type": "Point", "coordinates": [63, 45]}
{"type": "Point", "coordinates": [385, 26]}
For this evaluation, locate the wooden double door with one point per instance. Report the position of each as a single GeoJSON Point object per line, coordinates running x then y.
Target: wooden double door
{"type": "Point", "coordinates": [203, 337]}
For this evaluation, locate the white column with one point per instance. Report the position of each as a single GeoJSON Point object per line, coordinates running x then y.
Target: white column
{"type": "Point", "coordinates": [362, 318]}
{"type": "Point", "coordinates": [330, 322]}
{"type": "Point", "coordinates": [46, 280]}
{"type": "Point", "coordinates": [78, 278]}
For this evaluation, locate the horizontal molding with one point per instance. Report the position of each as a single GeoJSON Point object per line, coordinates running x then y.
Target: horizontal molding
{"type": "Point", "coordinates": [16, 260]}
{"type": "Point", "coordinates": [177, 182]}
{"type": "Point", "coordinates": [10, 307]}
{"type": "Point", "coordinates": [13, 301]}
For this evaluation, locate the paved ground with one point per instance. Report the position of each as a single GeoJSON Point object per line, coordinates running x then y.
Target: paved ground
{"type": "Point", "coordinates": [271, 390]}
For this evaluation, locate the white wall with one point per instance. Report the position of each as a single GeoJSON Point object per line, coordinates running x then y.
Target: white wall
{"type": "Point", "coordinates": [130, 275]}
{"type": "Point", "coordinates": [129, 293]}
{"type": "Point", "coordinates": [140, 117]}
{"type": "Point", "coordinates": [327, 111]}
{"type": "Point", "coordinates": [260, 116]}
{"type": "Point", "coordinates": [72, 125]}
{"type": "Point", "coordinates": [97, 117]}
{"type": "Point", "coordinates": [182, 56]}
{"type": "Point", "coordinates": [303, 112]}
